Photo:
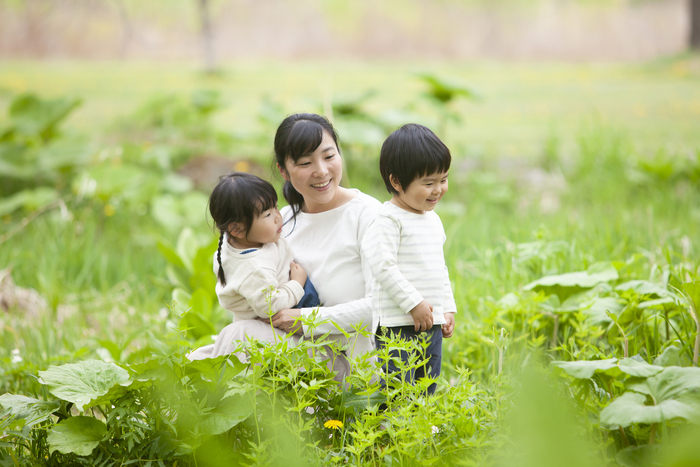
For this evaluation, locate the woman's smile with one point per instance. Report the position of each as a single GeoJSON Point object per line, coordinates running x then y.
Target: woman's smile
{"type": "Point", "coordinates": [322, 186]}
{"type": "Point", "coordinates": [316, 176]}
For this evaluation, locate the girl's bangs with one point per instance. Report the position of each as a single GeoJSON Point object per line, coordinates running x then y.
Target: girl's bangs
{"type": "Point", "coordinates": [267, 198]}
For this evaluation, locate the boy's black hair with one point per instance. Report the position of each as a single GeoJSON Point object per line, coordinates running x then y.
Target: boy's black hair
{"type": "Point", "coordinates": [239, 197]}
{"type": "Point", "coordinates": [411, 152]}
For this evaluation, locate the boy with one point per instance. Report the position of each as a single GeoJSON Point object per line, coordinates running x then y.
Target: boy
{"type": "Point", "coordinates": [411, 292]}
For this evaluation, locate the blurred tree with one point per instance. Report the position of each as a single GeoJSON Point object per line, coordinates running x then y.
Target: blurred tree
{"type": "Point", "coordinates": [694, 24]}
{"type": "Point", "coordinates": [207, 36]}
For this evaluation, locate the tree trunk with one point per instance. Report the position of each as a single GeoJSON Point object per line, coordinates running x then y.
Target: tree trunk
{"type": "Point", "coordinates": [207, 36]}
{"type": "Point", "coordinates": [694, 24]}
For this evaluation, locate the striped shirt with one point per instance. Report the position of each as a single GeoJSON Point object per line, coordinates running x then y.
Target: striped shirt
{"type": "Point", "coordinates": [408, 265]}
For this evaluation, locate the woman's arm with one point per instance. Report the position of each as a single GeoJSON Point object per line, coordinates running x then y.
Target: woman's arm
{"type": "Point", "coordinates": [347, 316]}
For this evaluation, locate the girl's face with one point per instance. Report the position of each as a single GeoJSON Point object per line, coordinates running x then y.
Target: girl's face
{"type": "Point", "coordinates": [266, 228]}
{"type": "Point", "coordinates": [316, 176]}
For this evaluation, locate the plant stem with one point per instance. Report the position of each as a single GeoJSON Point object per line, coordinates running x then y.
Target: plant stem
{"type": "Point", "coordinates": [652, 435]}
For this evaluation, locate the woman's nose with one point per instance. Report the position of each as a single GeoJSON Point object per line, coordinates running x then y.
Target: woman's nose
{"type": "Point", "coordinates": [320, 169]}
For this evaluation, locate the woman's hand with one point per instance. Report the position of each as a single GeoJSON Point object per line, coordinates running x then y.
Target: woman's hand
{"type": "Point", "coordinates": [297, 273]}
{"type": "Point", "coordinates": [284, 320]}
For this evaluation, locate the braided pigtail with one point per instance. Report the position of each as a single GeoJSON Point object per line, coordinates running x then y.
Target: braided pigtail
{"type": "Point", "coordinates": [222, 276]}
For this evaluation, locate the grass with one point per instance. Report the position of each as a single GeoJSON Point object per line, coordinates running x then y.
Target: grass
{"type": "Point", "coordinates": [548, 177]}
{"type": "Point", "coordinates": [655, 104]}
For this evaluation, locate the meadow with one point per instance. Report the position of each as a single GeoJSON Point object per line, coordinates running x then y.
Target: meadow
{"type": "Point", "coordinates": [573, 222]}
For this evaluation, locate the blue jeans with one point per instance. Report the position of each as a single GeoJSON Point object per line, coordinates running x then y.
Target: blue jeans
{"type": "Point", "coordinates": [310, 298]}
{"type": "Point", "coordinates": [433, 352]}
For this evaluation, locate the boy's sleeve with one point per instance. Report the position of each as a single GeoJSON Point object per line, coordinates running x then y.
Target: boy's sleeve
{"type": "Point", "coordinates": [449, 305]}
{"type": "Point", "coordinates": [256, 287]}
{"type": "Point", "coordinates": [384, 237]}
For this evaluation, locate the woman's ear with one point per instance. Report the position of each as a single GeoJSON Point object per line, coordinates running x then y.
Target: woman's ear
{"type": "Point", "coordinates": [395, 183]}
{"type": "Point", "coordinates": [236, 229]}
{"type": "Point", "coordinates": [283, 172]}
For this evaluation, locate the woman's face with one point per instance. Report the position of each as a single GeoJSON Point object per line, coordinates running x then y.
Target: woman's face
{"type": "Point", "coordinates": [316, 176]}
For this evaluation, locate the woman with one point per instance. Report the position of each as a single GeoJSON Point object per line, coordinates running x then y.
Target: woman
{"type": "Point", "coordinates": [324, 224]}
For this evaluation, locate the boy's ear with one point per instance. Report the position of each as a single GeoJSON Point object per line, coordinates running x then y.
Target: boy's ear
{"type": "Point", "coordinates": [236, 229]}
{"type": "Point", "coordinates": [395, 183]}
{"type": "Point", "coordinates": [283, 172]}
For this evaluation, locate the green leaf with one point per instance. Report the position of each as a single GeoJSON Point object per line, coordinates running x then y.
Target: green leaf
{"type": "Point", "coordinates": [645, 288]}
{"type": "Point", "coordinates": [226, 414]}
{"type": "Point", "coordinates": [671, 356]}
{"type": "Point", "coordinates": [596, 311]}
{"type": "Point", "coordinates": [201, 303]}
{"type": "Point", "coordinates": [638, 456]}
{"type": "Point", "coordinates": [187, 247]}
{"type": "Point", "coordinates": [28, 199]}
{"type": "Point", "coordinates": [78, 435]}
{"type": "Point", "coordinates": [693, 291]}
{"type": "Point", "coordinates": [82, 382]}
{"type": "Point", "coordinates": [639, 369]}
{"type": "Point", "coordinates": [170, 255]}
{"type": "Point", "coordinates": [32, 411]}
{"type": "Point", "coordinates": [671, 383]}
{"type": "Point", "coordinates": [196, 325]}
{"type": "Point", "coordinates": [444, 89]}
{"type": "Point", "coordinates": [34, 116]}
{"type": "Point", "coordinates": [565, 285]}
{"type": "Point", "coordinates": [585, 369]}
{"type": "Point", "coordinates": [630, 408]}
{"type": "Point", "coordinates": [356, 403]}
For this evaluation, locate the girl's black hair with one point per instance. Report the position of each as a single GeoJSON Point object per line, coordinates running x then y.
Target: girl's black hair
{"type": "Point", "coordinates": [297, 136]}
{"type": "Point", "coordinates": [411, 152]}
{"type": "Point", "coordinates": [238, 197]}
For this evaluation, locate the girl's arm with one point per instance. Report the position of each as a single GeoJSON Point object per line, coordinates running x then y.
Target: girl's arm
{"type": "Point", "coordinates": [256, 288]}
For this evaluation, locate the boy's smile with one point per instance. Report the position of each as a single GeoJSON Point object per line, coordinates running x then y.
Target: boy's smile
{"type": "Point", "coordinates": [422, 194]}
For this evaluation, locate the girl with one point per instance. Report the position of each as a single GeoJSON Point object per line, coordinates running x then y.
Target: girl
{"type": "Point", "coordinates": [254, 265]}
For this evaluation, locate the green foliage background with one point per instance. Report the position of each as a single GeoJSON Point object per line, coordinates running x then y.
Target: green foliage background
{"type": "Point", "coordinates": [572, 220]}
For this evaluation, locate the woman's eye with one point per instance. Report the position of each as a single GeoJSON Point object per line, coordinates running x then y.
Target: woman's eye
{"type": "Point", "coordinates": [330, 157]}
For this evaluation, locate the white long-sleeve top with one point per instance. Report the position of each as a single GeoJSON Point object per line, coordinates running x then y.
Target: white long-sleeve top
{"type": "Point", "coordinates": [408, 265]}
{"type": "Point", "coordinates": [249, 276]}
{"type": "Point", "coordinates": [328, 245]}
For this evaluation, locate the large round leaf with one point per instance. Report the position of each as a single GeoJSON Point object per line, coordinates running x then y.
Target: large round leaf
{"type": "Point", "coordinates": [586, 368]}
{"type": "Point", "coordinates": [82, 382]}
{"type": "Point", "coordinates": [630, 408]}
{"type": "Point", "coordinates": [79, 435]}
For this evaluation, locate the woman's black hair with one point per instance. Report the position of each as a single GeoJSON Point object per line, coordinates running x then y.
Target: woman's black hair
{"type": "Point", "coordinates": [297, 136]}
{"type": "Point", "coordinates": [411, 152]}
{"type": "Point", "coordinates": [238, 197]}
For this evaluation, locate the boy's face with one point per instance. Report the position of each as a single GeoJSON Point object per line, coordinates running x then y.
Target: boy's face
{"type": "Point", "coordinates": [422, 194]}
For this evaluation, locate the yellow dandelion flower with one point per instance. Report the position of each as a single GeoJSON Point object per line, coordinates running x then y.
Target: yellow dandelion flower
{"type": "Point", "coordinates": [109, 210]}
{"type": "Point", "coordinates": [333, 424]}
